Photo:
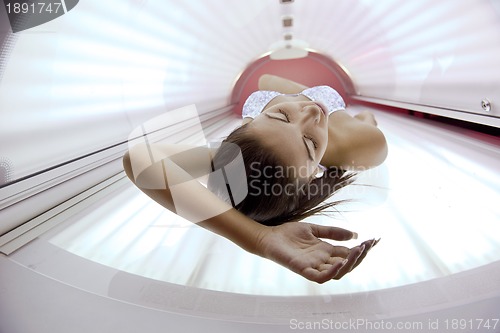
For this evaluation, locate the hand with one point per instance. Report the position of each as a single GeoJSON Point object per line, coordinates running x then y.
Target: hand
{"type": "Point", "coordinates": [296, 246]}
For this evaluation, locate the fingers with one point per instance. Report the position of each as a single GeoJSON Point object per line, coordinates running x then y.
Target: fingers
{"type": "Point", "coordinates": [356, 256]}
{"type": "Point", "coordinates": [340, 251]}
{"type": "Point", "coordinates": [369, 244]}
{"type": "Point", "coordinates": [352, 258]}
{"type": "Point", "coordinates": [332, 232]}
{"type": "Point", "coordinates": [335, 268]}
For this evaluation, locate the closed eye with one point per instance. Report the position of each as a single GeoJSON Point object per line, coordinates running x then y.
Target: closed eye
{"type": "Point", "coordinates": [282, 116]}
{"type": "Point", "coordinates": [315, 144]}
{"type": "Point", "coordinates": [285, 114]}
{"type": "Point", "coordinates": [309, 147]}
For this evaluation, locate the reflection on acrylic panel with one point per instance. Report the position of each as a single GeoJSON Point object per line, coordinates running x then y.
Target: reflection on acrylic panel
{"type": "Point", "coordinates": [433, 202]}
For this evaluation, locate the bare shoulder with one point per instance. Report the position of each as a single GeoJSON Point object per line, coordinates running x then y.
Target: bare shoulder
{"type": "Point", "coordinates": [354, 142]}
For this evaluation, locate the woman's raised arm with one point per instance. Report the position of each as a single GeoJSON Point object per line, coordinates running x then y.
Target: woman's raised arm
{"type": "Point", "coordinates": [280, 84]}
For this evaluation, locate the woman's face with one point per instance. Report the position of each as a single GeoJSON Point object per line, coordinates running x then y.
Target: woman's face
{"type": "Point", "coordinates": [297, 132]}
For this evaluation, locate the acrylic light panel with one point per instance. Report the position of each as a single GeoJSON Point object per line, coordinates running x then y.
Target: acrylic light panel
{"type": "Point", "coordinates": [425, 52]}
{"type": "Point", "coordinates": [66, 81]}
{"type": "Point", "coordinates": [84, 81]}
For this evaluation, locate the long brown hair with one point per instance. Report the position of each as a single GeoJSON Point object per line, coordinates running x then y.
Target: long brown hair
{"type": "Point", "coordinates": [274, 197]}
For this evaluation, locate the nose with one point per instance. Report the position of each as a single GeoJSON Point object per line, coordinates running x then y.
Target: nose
{"type": "Point", "coordinates": [312, 112]}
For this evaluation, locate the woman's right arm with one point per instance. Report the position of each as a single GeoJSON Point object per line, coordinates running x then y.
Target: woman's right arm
{"type": "Point", "coordinates": [167, 173]}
